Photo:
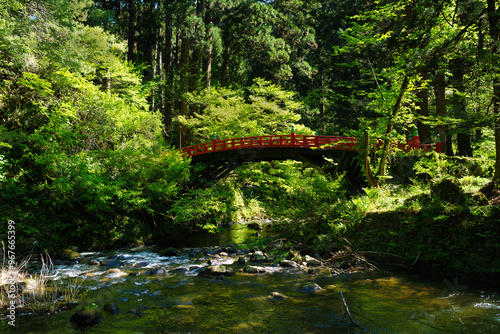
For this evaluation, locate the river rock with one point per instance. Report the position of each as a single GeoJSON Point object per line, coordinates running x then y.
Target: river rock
{"type": "Point", "coordinates": [231, 249]}
{"type": "Point", "coordinates": [216, 271]}
{"type": "Point", "coordinates": [112, 264]}
{"type": "Point", "coordinates": [171, 251]}
{"type": "Point", "coordinates": [85, 318]}
{"type": "Point", "coordinates": [254, 269]}
{"type": "Point", "coordinates": [180, 270]}
{"type": "Point", "coordinates": [159, 271]}
{"type": "Point", "coordinates": [312, 261]}
{"type": "Point", "coordinates": [111, 308]}
{"type": "Point", "coordinates": [114, 272]}
{"type": "Point", "coordinates": [212, 262]}
{"type": "Point", "coordinates": [68, 254]}
{"type": "Point", "coordinates": [242, 260]}
{"type": "Point", "coordinates": [288, 264]}
{"type": "Point", "coordinates": [311, 288]}
{"type": "Point", "coordinates": [140, 264]}
{"type": "Point", "coordinates": [276, 295]}
{"type": "Point", "coordinates": [258, 256]}
{"type": "Point", "coordinates": [135, 311]}
{"type": "Point", "coordinates": [139, 273]}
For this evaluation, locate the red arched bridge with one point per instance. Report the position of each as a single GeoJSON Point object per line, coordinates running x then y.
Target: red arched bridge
{"type": "Point", "coordinates": [220, 157]}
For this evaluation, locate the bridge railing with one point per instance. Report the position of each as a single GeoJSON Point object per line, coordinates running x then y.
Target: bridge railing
{"type": "Point", "coordinates": [291, 140]}
{"type": "Point", "coordinates": [294, 140]}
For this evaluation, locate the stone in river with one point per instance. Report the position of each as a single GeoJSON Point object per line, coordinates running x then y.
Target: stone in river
{"type": "Point", "coordinates": [159, 271]}
{"type": "Point", "coordinates": [288, 263]}
{"type": "Point", "coordinates": [68, 254]}
{"type": "Point", "coordinates": [216, 271]}
{"type": "Point", "coordinates": [258, 256]}
{"type": "Point", "coordinates": [312, 261]}
{"type": "Point", "coordinates": [254, 269]}
{"type": "Point", "coordinates": [171, 251]}
{"type": "Point", "coordinates": [311, 288]}
{"type": "Point", "coordinates": [277, 296]}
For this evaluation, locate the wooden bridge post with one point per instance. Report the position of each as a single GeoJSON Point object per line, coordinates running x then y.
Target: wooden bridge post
{"type": "Point", "coordinates": [438, 143]}
{"type": "Point", "coordinates": [416, 140]}
{"type": "Point", "coordinates": [214, 142]}
{"type": "Point", "coordinates": [316, 140]}
{"type": "Point", "coordinates": [293, 135]}
{"type": "Point", "coordinates": [409, 141]}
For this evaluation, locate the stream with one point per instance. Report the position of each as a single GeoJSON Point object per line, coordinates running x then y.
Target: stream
{"type": "Point", "coordinates": [147, 290]}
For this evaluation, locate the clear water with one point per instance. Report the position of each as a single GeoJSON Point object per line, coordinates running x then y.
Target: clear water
{"type": "Point", "coordinates": [182, 302]}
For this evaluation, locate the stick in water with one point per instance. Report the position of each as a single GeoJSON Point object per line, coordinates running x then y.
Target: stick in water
{"type": "Point", "coordinates": [347, 310]}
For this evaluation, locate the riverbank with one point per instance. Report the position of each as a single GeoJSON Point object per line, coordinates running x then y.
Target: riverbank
{"type": "Point", "coordinates": [444, 234]}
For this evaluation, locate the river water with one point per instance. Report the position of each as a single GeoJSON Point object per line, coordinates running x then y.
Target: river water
{"type": "Point", "coordinates": [183, 302]}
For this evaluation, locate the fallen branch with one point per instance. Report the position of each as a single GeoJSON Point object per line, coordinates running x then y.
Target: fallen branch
{"type": "Point", "coordinates": [347, 310]}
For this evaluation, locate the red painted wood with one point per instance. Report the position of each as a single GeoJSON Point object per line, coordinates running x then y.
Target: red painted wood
{"type": "Point", "coordinates": [293, 140]}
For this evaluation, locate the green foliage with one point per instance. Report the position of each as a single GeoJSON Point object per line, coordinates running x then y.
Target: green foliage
{"type": "Point", "coordinates": [263, 108]}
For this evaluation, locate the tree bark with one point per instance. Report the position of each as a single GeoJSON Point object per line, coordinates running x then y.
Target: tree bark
{"type": "Point", "coordinates": [460, 109]}
{"type": "Point", "coordinates": [185, 73]}
{"type": "Point", "coordinates": [132, 31]}
{"type": "Point", "coordinates": [168, 104]}
{"type": "Point", "coordinates": [225, 67]}
{"type": "Point", "coordinates": [148, 40]}
{"type": "Point", "coordinates": [424, 131]}
{"type": "Point", "coordinates": [440, 94]}
{"type": "Point", "coordinates": [207, 61]}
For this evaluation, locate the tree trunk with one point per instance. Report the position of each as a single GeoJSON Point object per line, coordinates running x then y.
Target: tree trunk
{"type": "Point", "coordinates": [118, 14]}
{"type": "Point", "coordinates": [132, 31]}
{"type": "Point", "coordinates": [460, 108]}
{"type": "Point", "coordinates": [207, 61]}
{"type": "Point", "coordinates": [440, 94]}
{"type": "Point", "coordinates": [225, 67]}
{"type": "Point", "coordinates": [183, 109]}
{"type": "Point", "coordinates": [493, 18]}
{"type": "Point", "coordinates": [148, 40]}
{"type": "Point", "coordinates": [390, 126]}
{"type": "Point", "coordinates": [424, 131]}
{"type": "Point", "coordinates": [322, 104]}
{"type": "Point", "coordinates": [168, 104]}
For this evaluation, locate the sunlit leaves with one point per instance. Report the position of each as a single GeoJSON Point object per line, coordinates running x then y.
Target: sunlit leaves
{"type": "Point", "coordinates": [264, 108]}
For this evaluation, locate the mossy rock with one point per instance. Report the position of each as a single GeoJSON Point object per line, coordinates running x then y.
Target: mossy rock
{"type": "Point", "coordinates": [68, 254]}
{"type": "Point", "coordinates": [447, 190]}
